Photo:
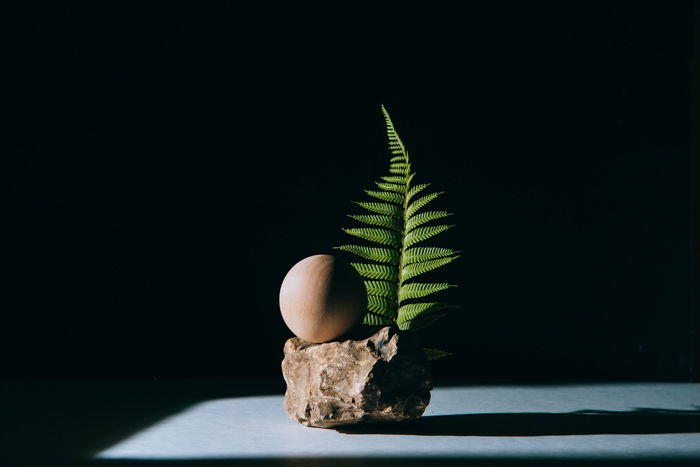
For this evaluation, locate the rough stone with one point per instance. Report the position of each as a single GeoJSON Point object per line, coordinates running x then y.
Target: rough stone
{"type": "Point", "coordinates": [379, 378]}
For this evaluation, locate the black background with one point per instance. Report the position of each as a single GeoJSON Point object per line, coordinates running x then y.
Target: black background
{"type": "Point", "coordinates": [166, 164]}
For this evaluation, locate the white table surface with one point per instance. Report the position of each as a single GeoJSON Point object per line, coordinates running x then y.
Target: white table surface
{"type": "Point", "coordinates": [483, 422]}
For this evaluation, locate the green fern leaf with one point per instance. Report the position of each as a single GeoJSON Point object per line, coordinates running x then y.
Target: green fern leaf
{"type": "Point", "coordinates": [420, 254]}
{"type": "Point", "coordinates": [415, 190]}
{"type": "Point", "coordinates": [389, 196]}
{"type": "Point", "coordinates": [398, 226]}
{"type": "Point", "coordinates": [381, 289]}
{"type": "Point", "coordinates": [423, 233]}
{"type": "Point", "coordinates": [419, 323]}
{"type": "Point", "coordinates": [420, 289]}
{"type": "Point", "coordinates": [398, 179]}
{"type": "Point", "coordinates": [372, 319]}
{"type": "Point", "coordinates": [385, 209]}
{"type": "Point", "coordinates": [399, 168]}
{"type": "Point", "coordinates": [395, 144]}
{"type": "Point", "coordinates": [420, 202]}
{"type": "Point", "coordinates": [413, 310]}
{"type": "Point", "coordinates": [382, 306]}
{"type": "Point", "coordinates": [423, 217]}
{"type": "Point", "coordinates": [380, 255]}
{"type": "Point", "coordinates": [391, 187]}
{"type": "Point", "coordinates": [412, 270]}
{"type": "Point", "coordinates": [382, 236]}
{"type": "Point", "coordinates": [376, 271]}
{"type": "Point", "coordinates": [381, 221]}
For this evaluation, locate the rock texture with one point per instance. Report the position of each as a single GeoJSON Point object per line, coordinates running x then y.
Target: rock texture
{"type": "Point", "coordinates": [382, 377]}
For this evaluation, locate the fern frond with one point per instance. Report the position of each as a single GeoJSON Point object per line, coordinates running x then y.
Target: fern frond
{"type": "Point", "coordinates": [415, 190]}
{"type": "Point", "coordinates": [420, 202]}
{"type": "Point", "coordinates": [400, 168]}
{"type": "Point", "coordinates": [381, 236]}
{"type": "Point", "coordinates": [380, 255]}
{"type": "Point", "coordinates": [419, 323]}
{"type": "Point", "coordinates": [382, 208]}
{"type": "Point", "coordinates": [403, 166]}
{"type": "Point", "coordinates": [423, 217]}
{"type": "Point", "coordinates": [413, 310]}
{"type": "Point", "coordinates": [420, 289]}
{"type": "Point", "coordinates": [420, 254]}
{"type": "Point", "coordinates": [398, 226]}
{"type": "Point", "coordinates": [381, 306]}
{"type": "Point", "coordinates": [412, 270]}
{"type": "Point", "coordinates": [378, 220]}
{"type": "Point", "coordinates": [389, 196]}
{"type": "Point", "coordinates": [398, 188]}
{"type": "Point", "coordinates": [376, 271]}
{"type": "Point", "coordinates": [395, 144]}
{"type": "Point", "coordinates": [372, 319]}
{"type": "Point", "coordinates": [398, 179]}
{"type": "Point", "coordinates": [423, 233]}
{"type": "Point", "coordinates": [381, 289]}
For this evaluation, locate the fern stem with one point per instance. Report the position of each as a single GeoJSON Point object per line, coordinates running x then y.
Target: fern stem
{"type": "Point", "coordinates": [403, 230]}
{"type": "Point", "coordinates": [404, 216]}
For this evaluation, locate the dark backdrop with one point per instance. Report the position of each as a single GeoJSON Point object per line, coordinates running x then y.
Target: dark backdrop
{"type": "Point", "coordinates": [165, 165]}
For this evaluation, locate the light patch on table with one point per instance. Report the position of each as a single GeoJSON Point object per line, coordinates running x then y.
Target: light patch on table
{"type": "Point", "coordinates": [257, 427]}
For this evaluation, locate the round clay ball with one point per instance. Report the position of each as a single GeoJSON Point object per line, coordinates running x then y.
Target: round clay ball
{"type": "Point", "coordinates": [322, 297]}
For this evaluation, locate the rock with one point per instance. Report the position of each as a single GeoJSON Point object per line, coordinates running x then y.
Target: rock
{"type": "Point", "coordinates": [383, 377]}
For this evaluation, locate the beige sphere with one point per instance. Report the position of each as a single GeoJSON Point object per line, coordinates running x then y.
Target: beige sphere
{"type": "Point", "coordinates": [322, 297]}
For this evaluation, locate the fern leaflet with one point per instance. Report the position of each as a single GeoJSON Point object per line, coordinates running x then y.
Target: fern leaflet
{"type": "Point", "coordinates": [420, 254]}
{"type": "Point", "coordinates": [381, 221]}
{"type": "Point", "coordinates": [381, 289]}
{"type": "Point", "coordinates": [376, 271]}
{"type": "Point", "coordinates": [381, 255]}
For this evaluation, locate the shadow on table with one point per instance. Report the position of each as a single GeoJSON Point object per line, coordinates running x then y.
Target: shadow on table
{"type": "Point", "coordinates": [582, 422]}
{"type": "Point", "coordinates": [55, 423]}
